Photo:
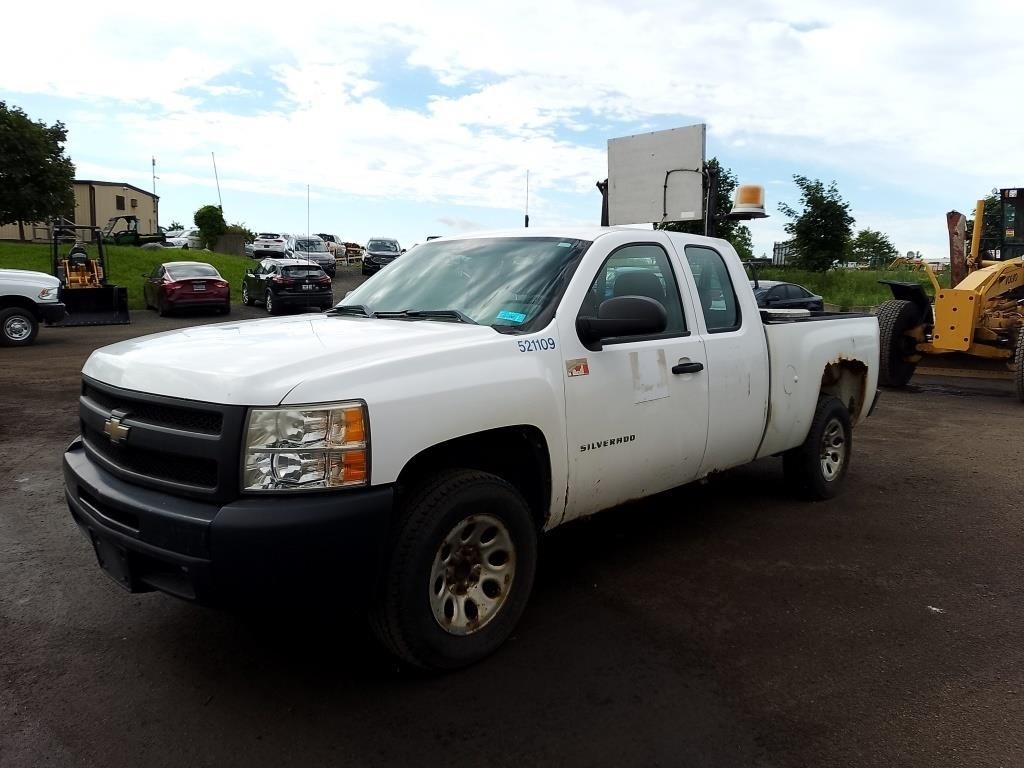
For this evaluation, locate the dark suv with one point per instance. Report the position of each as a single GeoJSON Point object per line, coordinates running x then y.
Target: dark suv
{"type": "Point", "coordinates": [380, 252]}
{"type": "Point", "coordinates": [281, 283]}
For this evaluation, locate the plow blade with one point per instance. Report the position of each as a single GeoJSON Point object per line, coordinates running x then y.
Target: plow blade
{"type": "Point", "coordinates": [107, 305]}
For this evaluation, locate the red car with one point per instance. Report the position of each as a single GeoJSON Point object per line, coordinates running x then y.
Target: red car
{"type": "Point", "coordinates": [186, 284]}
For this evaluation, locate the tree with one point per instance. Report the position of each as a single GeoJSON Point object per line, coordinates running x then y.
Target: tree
{"type": "Point", "coordinates": [240, 228]}
{"type": "Point", "coordinates": [175, 225]}
{"type": "Point", "coordinates": [210, 220]}
{"type": "Point", "coordinates": [733, 231]}
{"type": "Point", "coordinates": [819, 233]}
{"type": "Point", "coordinates": [872, 248]}
{"type": "Point", "coordinates": [991, 232]}
{"type": "Point", "coordinates": [36, 177]}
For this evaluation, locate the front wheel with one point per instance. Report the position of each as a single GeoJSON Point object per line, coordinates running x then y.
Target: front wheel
{"type": "Point", "coordinates": [1018, 359]}
{"type": "Point", "coordinates": [18, 327]}
{"type": "Point", "coordinates": [816, 468]}
{"type": "Point", "coordinates": [460, 571]}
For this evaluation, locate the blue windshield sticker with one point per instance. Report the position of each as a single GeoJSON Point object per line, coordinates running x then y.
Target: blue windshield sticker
{"type": "Point", "coordinates": [515, 317]}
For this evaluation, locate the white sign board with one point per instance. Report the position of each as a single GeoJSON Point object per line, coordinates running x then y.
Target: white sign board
{"type": "Point", "coordinates": [656, 177]}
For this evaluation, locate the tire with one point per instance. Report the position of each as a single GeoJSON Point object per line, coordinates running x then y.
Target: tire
{"type": "Point", "coordinates": [162, 309]}
{"type": "Point", "coordinates": [427, 613]}
{"type": "Point", "coordinates": [18, 327]}
{"type": "Point", "coordinates": [246, 298]}
{"type": "Point", "coordinates": [895, 318]}
{"type": "Point", "coordinates": [815, 469]}
{"type": "Point", "coordinates": [268, 302]}
{"type": "Point", "coordinates": [1018, 359]}
{"type": "Point", "coordinates": [184, 247]}
{"type": "Point", "coordinates": [226, 309]}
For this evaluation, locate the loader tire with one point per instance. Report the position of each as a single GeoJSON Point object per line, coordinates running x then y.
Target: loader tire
{"type": "Point", "coordinates": [1018, 359]}
{"type": "Point", "coordinates": [895, 318]}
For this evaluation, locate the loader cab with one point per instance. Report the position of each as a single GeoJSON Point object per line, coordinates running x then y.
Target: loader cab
{"type": "Point", "coordinates": [1011, 231]}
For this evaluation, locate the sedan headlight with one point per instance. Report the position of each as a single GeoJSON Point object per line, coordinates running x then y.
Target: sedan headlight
{"type": "Point", "coordinates": [306, 448]}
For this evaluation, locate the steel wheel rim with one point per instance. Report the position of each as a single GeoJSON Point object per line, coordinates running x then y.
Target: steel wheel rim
{"type": "Point", "coordinates": [17, 328]}
{"type": "Point", "coordinates": [472, 574]}
{"type": "Point", "coordinates": [833, 449]}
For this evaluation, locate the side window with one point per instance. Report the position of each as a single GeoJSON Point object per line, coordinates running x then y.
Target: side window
{"type": "Point", "coordinates": [796, 292]}
{"type": "Point", "coordinates": [714, 286]}
{"type": "Point", "coordinates": [638, 270]}
{"type": "Point", "coordinates": [777, 293]}
{"type": "Point", "coordinates": [157, 273]}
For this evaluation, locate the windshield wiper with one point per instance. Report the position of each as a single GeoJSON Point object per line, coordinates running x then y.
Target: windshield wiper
{"type": "Point", "coordinates": [351, 309]}
{"type": "Point", "coordinates": [428, 314]}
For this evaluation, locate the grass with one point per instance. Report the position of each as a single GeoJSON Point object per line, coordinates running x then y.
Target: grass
{"type": "Point", "coordinates": [850, 287]}
{"type": "Point", "coordinates": [126, 265]}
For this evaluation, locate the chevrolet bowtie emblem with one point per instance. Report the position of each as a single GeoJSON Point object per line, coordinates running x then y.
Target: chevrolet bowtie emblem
{"type": "Point", "coordinates": [115, 430]}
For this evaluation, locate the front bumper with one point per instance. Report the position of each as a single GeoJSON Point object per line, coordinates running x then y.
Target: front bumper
{"type": "Point", "coordinates": [287, 546]}
{"type": "Point", "coordinates": [51, 313]}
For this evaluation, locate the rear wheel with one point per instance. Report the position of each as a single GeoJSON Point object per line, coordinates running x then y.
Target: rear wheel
{"type": "Point", "coordinates": [1018, 359]}
{"type": "Point", "coordinates": [246, 298]}
{"type": "Point", "coordinates": [460, 572]}
{"type": "Point", "coordinates": [816, 468]}
{"type": "Point", "coordinates": [226, 309]}
{"type": "Point", "coordinates": [162, 309]}
{"type": "Point", "coordinates": [268, 302]}
{"type": "Point", "coordinates": [18, 327]}
{"type": "Point", "coordinates": [896, 318]}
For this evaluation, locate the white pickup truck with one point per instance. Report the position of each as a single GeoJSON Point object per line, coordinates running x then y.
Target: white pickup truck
{"type": "Point", "coordinates": [405, 449]}
{"type": "Point", "coordinates": [26, 300]}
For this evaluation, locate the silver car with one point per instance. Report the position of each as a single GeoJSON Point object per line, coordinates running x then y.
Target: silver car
{"type": "Point", "coordinates": [311, 248]}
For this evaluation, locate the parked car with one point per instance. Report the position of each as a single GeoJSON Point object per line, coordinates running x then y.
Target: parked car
{"type": "Point", "coordinates": [779, 295]}
{"type": "Point", "coordinates": [187, 238]}
{"type": "Point", "coordinates": [312, 248]}
{"type": "Point", "coordinates": [333, 242]}
{"type": "Point", "coordinates": [380, 251]}
{"type": "Point", "coordinates": [180, 285]}
{"type": "Point", "coordinates": [270, 244]}
{"type": "Point", "coordinates": [27, 299]}
{"type": "Point", "coordinates": [281, 283]}
{"type": "Point", "coordinates": [250, 250]}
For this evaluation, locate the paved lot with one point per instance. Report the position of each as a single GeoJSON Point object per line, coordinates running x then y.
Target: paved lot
{"type": "Point", "coordinates": [731, 627]}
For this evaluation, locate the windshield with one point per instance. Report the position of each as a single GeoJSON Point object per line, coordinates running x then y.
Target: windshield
{"type": "Point", "coordinates": [500, 282]}
{"type": "Point", "coordinates": [191, 271]}
{"type": "Point", "coordinates": [383, 245]}
{"type": "Point", "coordinates": [312, 246]}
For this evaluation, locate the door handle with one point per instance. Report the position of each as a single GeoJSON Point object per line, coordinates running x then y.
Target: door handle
{"type": "Point", "coordinates": [688, 368]}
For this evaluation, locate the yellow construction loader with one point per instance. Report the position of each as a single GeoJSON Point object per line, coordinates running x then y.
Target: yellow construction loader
{"type": "Point", "coordinates": [982, 316]}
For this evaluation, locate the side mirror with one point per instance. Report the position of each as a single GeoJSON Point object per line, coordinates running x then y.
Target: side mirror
{"type": "Point", "coordinates": [622, 316]}
{"type": "Point", "coordinates": [403, 250]}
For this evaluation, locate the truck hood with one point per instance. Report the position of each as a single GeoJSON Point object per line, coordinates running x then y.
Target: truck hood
{"type": "Point", "coordinates": [28, 277]}
{"type": "Point", "coordinates": [258, 362]}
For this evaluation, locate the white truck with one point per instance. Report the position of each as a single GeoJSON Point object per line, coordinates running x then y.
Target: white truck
{"type": "Point", "coordinates": [406, 449]}
{"type": "Point", "coordinates": [27, 299]}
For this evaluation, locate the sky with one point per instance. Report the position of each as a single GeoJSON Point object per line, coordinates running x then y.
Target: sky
{"type": "Point", "coordinates": [409, 119]}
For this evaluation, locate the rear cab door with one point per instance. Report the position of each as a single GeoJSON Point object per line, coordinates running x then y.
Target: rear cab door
{"type": "Point", "coordinates": [634, 427]}
{"type": "Point", "coordinates": [734, 343]}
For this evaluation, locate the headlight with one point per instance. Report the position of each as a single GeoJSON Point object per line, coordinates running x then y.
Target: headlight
{"type": "Point", "coordinates": [306, 448]}
{"type": "Point", "coordinates": [48, 293]}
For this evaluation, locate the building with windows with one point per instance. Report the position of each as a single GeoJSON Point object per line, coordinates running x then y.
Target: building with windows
{"type": "Point", "coordinates": [96, 202]}
{"type": "Point", "coordinates": [781, 253]}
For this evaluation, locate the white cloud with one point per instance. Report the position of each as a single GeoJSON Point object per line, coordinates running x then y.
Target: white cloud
{"type": "Point", "coordinates": [900, 93]}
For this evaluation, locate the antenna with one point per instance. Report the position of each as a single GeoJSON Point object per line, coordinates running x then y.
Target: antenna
{"type": "Point", "coordinates": [154, 176]}
{"type": "Point", "coordinates": [309, 242]}
{"type": "Point", "coordinates": [526, 216]}
{"type": "Point", "coordinates": [217, 179]}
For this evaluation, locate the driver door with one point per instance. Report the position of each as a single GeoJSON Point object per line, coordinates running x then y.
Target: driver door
{"type": "Point", "coordinates": [636, 421]}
